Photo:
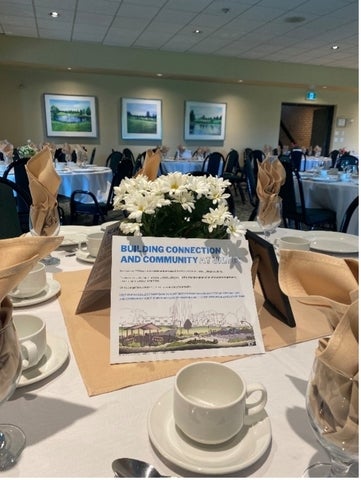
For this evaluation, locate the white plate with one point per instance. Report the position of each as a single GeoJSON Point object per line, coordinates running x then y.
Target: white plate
{"type": "Point", "coordinates": [55, 355]}
{"type": "Point", "coordinates": [84, 256]}
{"type": "Point", "coordinates": [236, 454]}
{"type": "Point", "coordinates": [333, 242]}
{"type": "Point", "coordinates": [52, 288]}
{"type": "Point", "coordinates": [252, 226]}
{"type": "Point", "coordinates": [73, 234]}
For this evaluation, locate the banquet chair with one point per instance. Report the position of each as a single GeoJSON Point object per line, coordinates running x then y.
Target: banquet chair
{"type": "Point", "coordinates": [351, 209]}
{"type": "Point", "coordinates": [99, 210]}
{"type": "Point", "coordinates": [213, 164]}
{"type": "Point", "coordinates": [295, 210]}
{"type": "Point", "coordinates": [256, 156]}
{"type": "Point", "coordinates": [251, 184]}
{"type": "Point", "coordinates": [233, 172]}
{"type": "Point", "coordinates": [346, 160]}
{"type": "Point", "coordinates": [22, 181]}
{"type": "Point", "coordinates": [113, 160]}
{"type": "Point", "coordinates": [128, 153]}
{"type": "Point", "coordinates": [296, 157]}
{"type": "Point", "coordinates": [13, 223]}
{"type": "Point", "coordinates": [334, 157]}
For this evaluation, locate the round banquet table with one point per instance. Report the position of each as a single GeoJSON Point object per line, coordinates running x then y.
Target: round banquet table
{"type": "Point", "coordinates": [70, 434]}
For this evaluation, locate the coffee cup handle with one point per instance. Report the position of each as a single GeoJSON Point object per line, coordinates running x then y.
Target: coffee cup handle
{"type": "Point", "coordinates": [29, 352]}
{"type": "Point", "coordinates": [252, 408]}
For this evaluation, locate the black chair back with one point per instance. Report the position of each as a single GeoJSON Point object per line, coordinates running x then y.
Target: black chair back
{"type": "Point", "coordinates": [128, 153]}
{"type": "Point", "coordinates": [113, 160]}
{"type": "Point", "coordinates": [21, 180]}
{"type": "Point", "coordinates": [13, 223]}
{"type": "Point", "coordinates": [92, 156]}
{"type": "Point", "coordinates": [296, 160]}
{"type": "Point", "coordinates": [346, 160]}
{"type": "Point", "coordinates": [213, 164]}
{"type": "Point", "coordinates": [334, 156]}
{"type": "Point", "coordinates": [232, 162]}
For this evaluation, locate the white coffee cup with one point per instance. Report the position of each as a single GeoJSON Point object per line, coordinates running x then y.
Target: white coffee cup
{"type": "Point", "coordinates": [32, 284]}
{"type": "Point", "coordinates": [31, 331]}
{"type": "Point", "coordinates": [344, 177]}
{"type": "Point", "coordinates": [292, 243]}
{"type": "Point", "coordinates": [211, 401]}
{"type": "Point", "coordinates": [94, 241]}
{"type": "Point", "coordinates": [323, 173]}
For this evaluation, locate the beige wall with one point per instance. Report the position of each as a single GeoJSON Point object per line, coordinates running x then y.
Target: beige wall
{"type": "Point", "coordinates": [253, 112]}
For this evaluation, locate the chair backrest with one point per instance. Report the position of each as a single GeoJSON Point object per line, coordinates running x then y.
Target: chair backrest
{"type": "Point", "coordinates": [256, 155]}
{"type": "Point", "coordinates": [21, 180]}
{"type": "Point", "coordinates": [296, 159]}
{"type": "Point", "coordinates": [232, 162]}
{"type": "Point", "coordinates": [92, 156]}
{"type": "Point", "coordinates": [123, 169]}
{"type": "Point", "coordinates": [250, 182]}
{"type": "Point", "coordinates": [288, 192]}
{"type": "Point", "coordinates": [10, 224]}
{"type": "Point", "coordinates": [128, 153]}
{"type": "Point", "coordinates": [113, 160]}
{"type": "Point", "coordinates": [346, 160]}
{"type": "Point", "coordinates": [348, 215]}
{"type": "Point", "coordinates": [214, 164]}
{"type": "Point", "coordinates": [334, 156]}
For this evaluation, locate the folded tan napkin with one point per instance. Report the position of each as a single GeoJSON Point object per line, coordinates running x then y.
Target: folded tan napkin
{"type": "Point", "coordinates": [151, 164]}
{"type": "Point", "coordinates": [18, 256]}
{"type": "Point", "coordinates": [333, 393]}
{"type": "Point", "coordinates": [271, 176]}
{"type": "Point", "coordinates": [89, 335]}
{"type": "Point", "coordinates": [44, 184]}
{"type": "Point", "coordinates": [327, 282]}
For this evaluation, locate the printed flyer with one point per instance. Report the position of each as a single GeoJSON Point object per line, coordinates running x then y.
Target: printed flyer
{"type": "Point", "coordinates": [175, 298]}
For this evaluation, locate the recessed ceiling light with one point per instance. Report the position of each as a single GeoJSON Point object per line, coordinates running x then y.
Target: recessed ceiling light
{"type": "Point", "coordinates": [335, 47]}
{"type": "Point", "coordinates": [295, 19]}
{"type": "Point", "coordinates": [240, 81]}
{"type": "Point", "coordinates": [69, 68]}
{"type": "Point", "coordinates": [197, 31]}
{"type": "Point", "coordinates": [54, 14]}
{"type": "Point", "coordinates": [159, 74]}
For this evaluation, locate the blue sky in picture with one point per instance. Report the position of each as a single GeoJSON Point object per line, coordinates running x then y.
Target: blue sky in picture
{"type": "Point", "coordinates": [142, 109]}
{"type": "Point", "coordinates": [70, 105]}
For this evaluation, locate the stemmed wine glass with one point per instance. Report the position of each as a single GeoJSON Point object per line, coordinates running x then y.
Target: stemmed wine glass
{"type": "Point", "coordinates": [51, 228]}
{"type": "Point", "coordinates": [269, 215]}
{"type": "Point", "coordinates": [328, 400]}
{"type": "Point", "coordinates": [12, 438]}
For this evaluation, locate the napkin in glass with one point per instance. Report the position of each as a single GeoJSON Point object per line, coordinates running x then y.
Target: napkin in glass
{"type": "Point", "coordinates": [44, 183]}
{"type": "Point", "coordinates": [151, 164]}
{"type": "Point", "coordinates": [329, 283]}
{"type": "Point", "coordinates": [271, 176]}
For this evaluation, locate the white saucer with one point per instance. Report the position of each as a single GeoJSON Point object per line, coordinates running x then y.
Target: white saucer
{"type": "Point", "coordinates": [236, 454]}
{"type": "Point", "coordinates": [55, 355]}
{"type": "Point", "coordinates": [333, 242]}
{"type": "Point", "coordinates": [252, 226]}
{"type": "Point", "coordinates": [52, 288]}
{"type": "Point", "coordinates": [85, 256]}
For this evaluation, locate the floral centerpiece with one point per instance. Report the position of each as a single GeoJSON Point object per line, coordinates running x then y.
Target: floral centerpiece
{"type": "Point", "coordinates": [28, 150]}
{"type": "Point", "coordinates": [176, 205]}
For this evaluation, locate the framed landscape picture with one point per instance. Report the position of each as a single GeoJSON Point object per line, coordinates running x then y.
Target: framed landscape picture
{"type": "Point", "coordinates": [141, 119]}
{"type": "Point", "coordinates": [70, 116]}
{"type": "Point", "coordinates": [204, 121]}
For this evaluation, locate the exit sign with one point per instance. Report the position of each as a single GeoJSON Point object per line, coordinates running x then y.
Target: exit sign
{"type": "Point", "coordinates": [310, 95]}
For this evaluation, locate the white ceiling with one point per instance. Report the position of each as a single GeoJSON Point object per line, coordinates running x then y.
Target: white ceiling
{"type": "Point", "coordinates": [251, 29]}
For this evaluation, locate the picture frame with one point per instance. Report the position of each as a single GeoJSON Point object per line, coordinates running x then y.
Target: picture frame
{"type": "Point", "coordinates": [141, 119]}
{"type": "Point", "coordinates": [265, 261]}
{"type": "Point", "coordinates": [204, 121]}
{"type": "Point", "coordinates": [70, 115]}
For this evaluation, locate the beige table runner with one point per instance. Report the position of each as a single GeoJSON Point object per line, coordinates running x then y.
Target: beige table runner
{"type": "Point", "coordinates": [89, 338]}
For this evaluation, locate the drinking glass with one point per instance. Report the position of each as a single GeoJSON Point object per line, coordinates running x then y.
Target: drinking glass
{"type": "Point", "coordinates": [12, 438]}
{"type": "Point", "coordinates": [328, 387]}
{"type": "Point", "coordinates": [269, 216]}
{"type": "Point", "coordinates": [54, 222]}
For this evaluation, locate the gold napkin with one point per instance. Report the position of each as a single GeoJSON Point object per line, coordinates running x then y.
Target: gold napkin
{"type": "Point", "coordinates": [44, 184]}
{"type": "Point", "coordinates": [327, 282]}
{"type": "Point", "coordinates": [19, 255]}
{"type": "Point", "coordinates": [333, 393]}
{"type": "Point", "coordinates": [151, 164]}
{"type": "Point", "coordinates": [271, 176]}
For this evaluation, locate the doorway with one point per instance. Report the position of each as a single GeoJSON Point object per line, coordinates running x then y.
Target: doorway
{"type": "Point", "coordinates": [306, 125]}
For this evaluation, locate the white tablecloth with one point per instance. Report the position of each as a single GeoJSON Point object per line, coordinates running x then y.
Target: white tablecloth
{"type": "Point", "coordinates": [183, 166]}
{"type": "Point", "coordinates": [333, 195]}
{"type": "Point", "coordinates": [314, 162]}
{"type": "Point", "coordinates": [72, 435]}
